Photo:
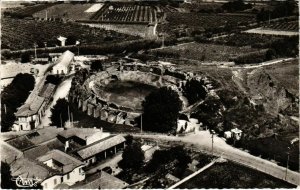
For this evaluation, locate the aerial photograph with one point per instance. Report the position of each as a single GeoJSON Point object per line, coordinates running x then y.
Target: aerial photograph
{"type": "Point", "coordinates": [149, 94]}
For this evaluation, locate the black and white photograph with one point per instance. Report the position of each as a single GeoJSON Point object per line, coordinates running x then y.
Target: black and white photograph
{"type": "Point", "coordinates": [149, 94]}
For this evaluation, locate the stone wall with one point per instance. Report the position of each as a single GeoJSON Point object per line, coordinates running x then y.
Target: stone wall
{"type": "Point", "coordinates": [142, 30]}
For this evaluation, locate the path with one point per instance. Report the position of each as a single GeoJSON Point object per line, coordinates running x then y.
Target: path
{"type": "Point", "coordinates": [262, 64]}
{"type": "Point", "coordinates": [61, 92]}
{"type": "Point", "coordinates": [202, 141]}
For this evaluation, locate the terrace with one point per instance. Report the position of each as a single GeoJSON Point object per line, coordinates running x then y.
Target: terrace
{"type": "Point", "coordinates": [125, 13]}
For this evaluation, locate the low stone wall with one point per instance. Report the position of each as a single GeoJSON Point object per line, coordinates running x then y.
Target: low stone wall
{"type": "Point", "coordinates": [142, 30]}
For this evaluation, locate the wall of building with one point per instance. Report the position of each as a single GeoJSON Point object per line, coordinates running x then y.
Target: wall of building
{"type": "Point", "coordinates": [70, 179]}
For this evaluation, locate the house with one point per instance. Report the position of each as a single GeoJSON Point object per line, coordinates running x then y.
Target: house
{"type": "Point", "coordinates": [49, 170]}
{"type": "Point", "coordinates": [102, 149]}
{"type": "Point", "coordinates": [236, 133]}
{"type": "Point", "coordinates": [69, 169]}
{"type": "Point", "coordinates": [101, 181]}
{"type": "Point", "coordinates": [91, 145]}
{"type": "Point", "coordinates": [47, 91]}
{"type": "Point", "coordinates": [63, 63]}
{"type": "Point", "coordinates": [227, 134]}
{"type": "Point", "coordinates": [29, 115]}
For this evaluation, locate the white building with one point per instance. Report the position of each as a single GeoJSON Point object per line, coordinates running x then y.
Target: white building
{"type": "Point", "coordinates": [69, 169]}
{"type": "Point", "coordinates": [29, 115]}
{"type": "Point", "coordinates": [63, 63]}
{"type": "Point", "coordinates": [51, 170]}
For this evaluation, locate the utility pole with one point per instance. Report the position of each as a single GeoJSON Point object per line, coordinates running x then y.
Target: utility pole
{"type": "Point", "coordinates": [212, 141]}
{"type": "Point", "coordinates": [46, 15]}
{"type": "Point", "coordinates": [142, 123]}
{"type": "Point", "coordinates": [60, 120]}
{"type": "Point", "coordinates": [287, 162]}
{"type": "Point", "coordinates": [35, 45]}
{"type": "Point", "coordinates": [4, 108]}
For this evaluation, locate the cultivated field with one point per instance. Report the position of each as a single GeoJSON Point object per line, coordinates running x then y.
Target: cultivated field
{"type": "Point", "coordinates": [243, 39]}
{"type": "Point", "coordinates": [22, 34]}
{"type": "Point", "coordinates": [206, 52]}
{"type": "Point", "coordinates": [66, 11]}
{"type": "Point", "coordinates": [125, 12]}
{"type": "Point", "coordinates": [198, 21]}
{"type": "Point", "coordinates": [283, 26]}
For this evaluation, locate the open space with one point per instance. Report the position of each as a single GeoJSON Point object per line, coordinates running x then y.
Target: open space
{"type": "Point", "coordinates": [128, 93]}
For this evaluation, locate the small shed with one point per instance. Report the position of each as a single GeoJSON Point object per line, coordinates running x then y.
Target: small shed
{"type": "Point", "coordinates": [236, 133]}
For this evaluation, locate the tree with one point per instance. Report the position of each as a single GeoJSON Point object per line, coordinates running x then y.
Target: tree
{"type": "Point", "coordinates": [12, 97]}
{"type": "Point", "coordinates": [176, 155]}
{"type": "Point", "coordinates": [25, 57]}
{"type": "Point", "coordinates": [53, 79]}
{"type": "Point", "coordinates": [161, 110]}
{"type": "Point", "coordinates": [6, 177]}
{"type": "Point", "coordinates": [59, 113]}
{"type": "Point", "coordinates": [132, 157]}
{"type": "Point", "coordinates": [97, 65]}
{"type": "Point", "coordinates": [194, 90]}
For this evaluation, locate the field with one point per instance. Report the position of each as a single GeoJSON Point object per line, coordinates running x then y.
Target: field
{"type": "Point", "coordinates": [66, 11]}
{"type": "Point", "coordinates": [286, 74]}
{"type": "Point", "coordinates": [283, 26]}
{"type": "Point", "coordinates": [128, 93]}
{"type": "Point", "coordinates": [230, 175]}
{"type": "Point", "coordinates": [22, 34]}
{"type": "Point", "coordinates": [243, 39]}
{"type": "Point", "coordinates": [125, 12]}
{"type": "Point", "coordinates": [28, 11]}
{"type": "Point", "coordinates": [198, 21]}
{"type": "Point", "coordinates": [205, 52]}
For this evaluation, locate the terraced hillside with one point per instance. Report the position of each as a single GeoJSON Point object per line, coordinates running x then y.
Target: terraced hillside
{"type": "Point", "coordinates": [125, 13]}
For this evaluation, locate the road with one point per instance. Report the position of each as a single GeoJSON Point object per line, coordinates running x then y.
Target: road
{"type": "Point", "coordinates": [61, 92]}
{"type": "Point", "coordinates": [257, 65]}
{"type": "Point", "coordinates": [202, 141]}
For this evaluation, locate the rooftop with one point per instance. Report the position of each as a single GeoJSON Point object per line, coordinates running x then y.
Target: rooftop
{"type": "Point", "coordinates": [29, 169]}
{"type": "Point", "coordinates": [9, 153]}
{"type": "Point", "coordinates": [69, 163]}
{"type": "Point", "coordinates": [30, 109]}
{"type": "Point", "coordinates": [43, 135]}
{"type": "Point", "coordinates": [81, 133]}
{"type": "Point", "coordinates": [47, 90]}
{"type": "Point", "coordinates": [65, 59]}
{"type": "Point", "coordinates": [103, 180]}
{"type": "Point", "coordinates": [100, 146]}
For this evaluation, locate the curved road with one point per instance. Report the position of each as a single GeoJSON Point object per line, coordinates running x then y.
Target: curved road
{"type": "Point", "coordinates": [202, 140]}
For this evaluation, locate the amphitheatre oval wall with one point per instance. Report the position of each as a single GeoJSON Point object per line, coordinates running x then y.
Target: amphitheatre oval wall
{"type": "Point", "coordinates": [104, 106]}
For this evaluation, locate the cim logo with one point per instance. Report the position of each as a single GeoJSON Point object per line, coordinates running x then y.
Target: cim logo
{"type": "Point", "coordinates": [26, 182]}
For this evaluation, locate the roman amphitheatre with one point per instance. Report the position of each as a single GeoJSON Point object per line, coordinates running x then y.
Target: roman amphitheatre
{"type": "Point", "coordinates": [116, 96]}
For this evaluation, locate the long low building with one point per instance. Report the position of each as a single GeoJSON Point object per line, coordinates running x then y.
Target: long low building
{"type": "Point", "coordinates": [91, 145]}
{"type": "Point", "coordinates": [30, 114]}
